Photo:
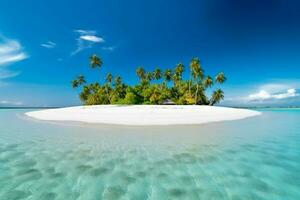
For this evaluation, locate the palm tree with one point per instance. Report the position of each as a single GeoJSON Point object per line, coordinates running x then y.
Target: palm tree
{"type": "Point", "coordinates": [118, 81]}
{"type": "Point", "coordinates": [208, 82]}
{"type": "Point", "coordinates": [120, 88]}
{"type": "Point", "coordinates": [94, 87]}
{"type": "Point", "coordinates": [81, 80]}
{"type": "Point", "coordinates": [75, 83]}
{"type": "Point", "coordinates": [95, 61]}
{"type": "Point", "coordinates": [107, 87]}
{"type": "Point", "coordinates": [220, 78]}
{"type": "Point", "coordinates": [85, 93]}
{"type": "Point", "coordinates": [176, 77]}
{"type": "Point", "coordinates": [216, 97]}
{"type": "Point", "coordinates": [141, 73]}
{"type": "Point", "coordinates": [179, 70]}
{"type": "Point", "coordinates": [195, 71]}
{"type": "Point", "coordinates": [109, 78]}
{"type": "Point", "coordinates": [149, 77]}
{"type": "Point", "coordinates": [197, 74]}
{"type": "Point", "coordinates": [157, 74]}
{"type": "Point", "coordinates": [168, 75]}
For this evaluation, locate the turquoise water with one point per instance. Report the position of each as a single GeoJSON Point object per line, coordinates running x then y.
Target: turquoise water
{"type": "Point", "coordinates": [255, 158]}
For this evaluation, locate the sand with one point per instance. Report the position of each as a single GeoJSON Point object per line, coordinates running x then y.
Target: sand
{"type": "Point", "coordinates": [143, 115]}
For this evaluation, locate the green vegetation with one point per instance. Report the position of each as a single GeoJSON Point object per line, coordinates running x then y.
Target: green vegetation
{"type": "Point", "coordinates": [153, 88]}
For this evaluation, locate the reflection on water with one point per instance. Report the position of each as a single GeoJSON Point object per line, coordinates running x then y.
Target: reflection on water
{"type": "Point", "coordinates": [256, 158]}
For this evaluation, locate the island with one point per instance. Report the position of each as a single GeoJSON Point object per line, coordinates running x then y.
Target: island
{"type": "Point", "coordinates": [159, 98]}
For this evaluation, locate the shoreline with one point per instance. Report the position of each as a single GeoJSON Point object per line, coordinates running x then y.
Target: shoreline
{"type": "Point", "coordinates": [143, 115]}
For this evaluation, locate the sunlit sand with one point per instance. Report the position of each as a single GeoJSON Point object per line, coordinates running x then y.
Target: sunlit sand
{"type": "Point", "coordinates": [140, 115]}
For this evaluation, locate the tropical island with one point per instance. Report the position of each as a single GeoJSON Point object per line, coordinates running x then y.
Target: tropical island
{"type": "Point", "coordinates": [160, 98]}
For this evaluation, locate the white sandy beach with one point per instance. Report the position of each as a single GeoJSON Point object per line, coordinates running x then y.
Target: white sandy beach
{"type": "Point", "coordinates": [139, 115]}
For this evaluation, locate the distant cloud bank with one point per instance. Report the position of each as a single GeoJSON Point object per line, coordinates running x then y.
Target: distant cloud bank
{"type": "Point", "coordinates": [264, 95]}
{"type": "Point", "coordinates": [10, 103]}
{"type": "Point", "coordinates": [277, 93]}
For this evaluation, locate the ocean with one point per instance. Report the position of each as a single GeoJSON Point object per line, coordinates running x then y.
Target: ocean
{"type": "Point", "coordinates": [254, 158]}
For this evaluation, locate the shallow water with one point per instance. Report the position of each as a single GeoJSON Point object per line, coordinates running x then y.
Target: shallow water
{"type": "Point", "coordinates": [255, 158]}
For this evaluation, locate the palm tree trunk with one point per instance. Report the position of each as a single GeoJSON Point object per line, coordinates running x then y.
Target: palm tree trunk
{"type": "Point", "coordinates": [196, 96]}
{"type": "Point", "coordinates": [190, 82]}
{"type": "Point", "coordinates": [108, 98]}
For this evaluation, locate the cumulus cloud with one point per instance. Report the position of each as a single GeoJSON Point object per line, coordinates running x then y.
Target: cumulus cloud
{"type": "Point", "coordinates": [49, 45]}
{"type": "Point", "coordinates": [264, 95]}
{"type": "Point", "coordinates": [11, 51]}
{"type": "Point", "coordinates": [86, 39]}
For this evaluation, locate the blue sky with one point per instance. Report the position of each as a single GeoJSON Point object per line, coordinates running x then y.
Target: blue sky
{"type": "Point", "coordinates": [44, 45]}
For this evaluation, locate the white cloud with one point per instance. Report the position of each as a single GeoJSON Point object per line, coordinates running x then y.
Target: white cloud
{"type": "Point", "coordinates": [264, 95]}
{"type": "Point", "coordinates": [11, 51]}
{"type": "Point", "coordinates": [85, 32]}
{"type": "Point", "coordinates": [109, 48]}
{"type": "Point", "coordinates": [86, 39]}
{"type": "Point", "coordinates": [49, 45]}
{"type": "Point", "coordinates": [8, 73]}
{"type": "Point", "coordinates": [10, 58]}
{"type": "Point", "coordinates": [92, 38]}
